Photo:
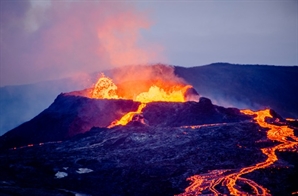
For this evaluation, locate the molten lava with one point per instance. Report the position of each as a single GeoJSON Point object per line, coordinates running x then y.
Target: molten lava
{"type": "Point", "coordinates": [224, 178]}
{"type": "Point", "coordinates": [158, 94]}
{"type": "Point", "coordinates": [160, 91]}
{"type": "Point", "coordinates": [127, 117]}
{"type": "Point", "coordinates": [104, 89]}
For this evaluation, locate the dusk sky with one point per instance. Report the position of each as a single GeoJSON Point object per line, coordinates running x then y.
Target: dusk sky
{"type": "Point", "coordinates": [45, 40]}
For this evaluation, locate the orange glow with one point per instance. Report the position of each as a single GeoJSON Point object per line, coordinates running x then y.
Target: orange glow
{"type": "Point", "coordinates": [208, 182]}
{"type": "Point", "coordinates": [158, 91]}
{"type": "Point", "coordinates": [127, 117]}
{"type": "Point", "coordinates": [291, 119]}
{"type": "Point", "coordinates": [31, 145]}
{"type": "Point", "coordinates": [104, 89]}
{"type": "Point", "coordinates": [158, 94]}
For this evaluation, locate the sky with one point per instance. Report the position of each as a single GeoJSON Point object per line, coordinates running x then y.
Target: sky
{"type": "Point", "coordinates": [45, 40]}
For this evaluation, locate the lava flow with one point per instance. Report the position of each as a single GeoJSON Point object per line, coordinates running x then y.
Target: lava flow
{"type": "Point", "coordinates": [209, 183]}
{"type": "Point", "coordinates": [161, 91]}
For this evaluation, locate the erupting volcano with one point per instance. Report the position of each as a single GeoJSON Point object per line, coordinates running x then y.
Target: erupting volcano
{"type": "Point", "coordinates": [146, 137]}
{"type": "Point", "coordinates": [158, 91]}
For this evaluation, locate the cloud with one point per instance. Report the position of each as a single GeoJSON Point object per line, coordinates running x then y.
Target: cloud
{"type": "Point", "coordinates": [43, 40]}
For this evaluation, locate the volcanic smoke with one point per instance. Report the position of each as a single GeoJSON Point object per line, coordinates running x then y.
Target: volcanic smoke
{"type": "Point", "coordinates": [45, 40]}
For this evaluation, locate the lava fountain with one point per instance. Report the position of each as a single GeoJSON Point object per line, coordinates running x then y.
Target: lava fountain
{"type": "Point", "coordinates": [210, 182]}
{"type": "Point", "coordinates": [158, 90]}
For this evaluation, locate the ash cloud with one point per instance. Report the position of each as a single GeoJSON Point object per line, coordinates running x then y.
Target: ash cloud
{"type": "Point", "coordinates": [44, 40]}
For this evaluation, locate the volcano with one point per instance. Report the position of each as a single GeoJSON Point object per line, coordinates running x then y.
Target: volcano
{"type": "Point", "coordinates": [158, 138]}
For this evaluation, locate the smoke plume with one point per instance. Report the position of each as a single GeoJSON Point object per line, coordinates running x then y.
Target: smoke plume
{"type": "Point", "coordinates": [44, 40]}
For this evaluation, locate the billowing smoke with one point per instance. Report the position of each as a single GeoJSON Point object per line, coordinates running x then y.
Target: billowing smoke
{"type": "Point", "coordinates": [44, 40]}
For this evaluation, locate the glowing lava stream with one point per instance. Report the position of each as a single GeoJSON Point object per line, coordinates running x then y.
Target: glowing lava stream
{"type": "Point", "coordinates": [208, 182]}
{"type": "Point", "coordinates": [127, 117]}
{"type": "Point", "coordinates": [154, 94]}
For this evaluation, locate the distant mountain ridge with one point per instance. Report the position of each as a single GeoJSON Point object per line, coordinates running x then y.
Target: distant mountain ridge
{"type": "Point", "coordinates": [247, 86]}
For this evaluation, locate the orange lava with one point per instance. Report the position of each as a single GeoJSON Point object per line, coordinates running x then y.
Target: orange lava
{"type": "Point", "coordinates": [291, 119]}
{"type": "Point", "coordinates": [127, 117]}
{"type": "Point", "coordinates": [160, 91]}
{"type": "Point", "coordinates": [104, 89]}
{"type": "Point", "coordinates": [32, 145]}
{"type": "Point", "coordinates": [228, 179]}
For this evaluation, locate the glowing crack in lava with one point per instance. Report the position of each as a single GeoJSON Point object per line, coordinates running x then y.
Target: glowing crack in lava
{"type": "Point", "coordinates": [161, 91]}
{"type": "Point", "coordinates": [210, 182]}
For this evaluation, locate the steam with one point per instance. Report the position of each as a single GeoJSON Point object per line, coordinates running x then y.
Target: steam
{"type": "Point", "coordinates": [234, 103]}
{"type": "Point", "coordinates": [44, 40]}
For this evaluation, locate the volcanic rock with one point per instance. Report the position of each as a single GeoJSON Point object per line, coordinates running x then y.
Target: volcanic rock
{"type": "Point", "coordinates": [129, 160]}
{"type": "Point", "coordinates": [66, 117]}
{"type": "Point", "coordinates": [190, 113]}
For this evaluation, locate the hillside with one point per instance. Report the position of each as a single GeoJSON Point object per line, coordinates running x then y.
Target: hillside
{"type": "Point", "coordinates": [247, 86]}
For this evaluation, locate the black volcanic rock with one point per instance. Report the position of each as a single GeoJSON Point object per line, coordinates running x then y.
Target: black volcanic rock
{"type": "Point", "coordinates": [129, 160]}
{"type": "Point", "coordinates": [70, 115]}
{"type": "Point", "coordinates": [66, 117]}
{"type": "Point", "coordinates": [190, 113]}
